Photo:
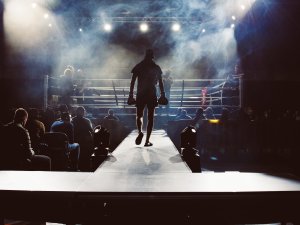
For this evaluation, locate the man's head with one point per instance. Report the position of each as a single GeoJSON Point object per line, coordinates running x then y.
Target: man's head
{"type": "Point", "coordinates": [63, 108]}
{"type": "Point", "coordinates": [149, 54]}
{"type": "Point", "coordinates": [80, 111]}
{"type": "Point", "coordinates": [65, 116]}
{"type": "Point", "coordinates": [21, 116]}
{"type": "Point", "coordinates": [111, 112]}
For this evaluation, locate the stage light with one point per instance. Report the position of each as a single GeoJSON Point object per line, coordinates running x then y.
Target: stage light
{"type": "Point", "coordinates": [46, 16]}
{"type": "Point", "coordinates": [233, 18]}
{"type": "Point", "coordinates": [203, 30]}
{"type": "Point", "coordinates": [80, 29]}
{"type": "Point", "coordinates": [188, 137]}
{"type": "Point", "coordinates": [107, 27]}
{"type": "Point", "coordinates": [144, 27]}
{"type": "Point", "coordinates": [213, 121]}
{"type": "Point", "coordinates": [232, 25]}
{"type": "Point", "coordinates": [176, 27]}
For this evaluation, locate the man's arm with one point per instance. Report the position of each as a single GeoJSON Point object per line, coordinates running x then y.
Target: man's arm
{"type": "Point", "coordinates": [161, 87]}
{"type": "Point", "coordinates": [133, 78]}
{"type": "Point", "coordinates": [27, 145]}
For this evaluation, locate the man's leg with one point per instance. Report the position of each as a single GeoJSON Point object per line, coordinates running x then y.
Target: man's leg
{"type": "Point", "coordinates": [139, 123]}
{"type": "Point", "coordinates": [149, 125]}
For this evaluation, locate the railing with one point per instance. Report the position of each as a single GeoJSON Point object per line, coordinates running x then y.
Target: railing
{"type": "Point", "coordinates": [184, 93]}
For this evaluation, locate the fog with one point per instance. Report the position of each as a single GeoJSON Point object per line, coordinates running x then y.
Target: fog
{"type": "Point", "coordinates": [72, 34]}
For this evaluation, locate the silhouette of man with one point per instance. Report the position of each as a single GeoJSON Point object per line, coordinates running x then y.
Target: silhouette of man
{"type": "Point", "coordinates": [147, 72]}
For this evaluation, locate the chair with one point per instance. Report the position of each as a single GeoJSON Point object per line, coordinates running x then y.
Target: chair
{"type": "Point", "coordinates": [56, 147]}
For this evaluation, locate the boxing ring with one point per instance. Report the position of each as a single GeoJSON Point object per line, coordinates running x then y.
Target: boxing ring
{"type": "Point", "coordinates": [113, 93]}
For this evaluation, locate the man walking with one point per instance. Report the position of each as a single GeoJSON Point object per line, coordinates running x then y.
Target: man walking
{"type": "Point", "coordinates": [148, 73]}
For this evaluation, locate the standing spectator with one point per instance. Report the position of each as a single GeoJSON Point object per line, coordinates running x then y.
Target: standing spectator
{"type": "Point", "coordinates": [67, 87]}
{"type": "Point", "coordinates": [64, 125]}
{"type": "Point", "coordinates": [83, 135]}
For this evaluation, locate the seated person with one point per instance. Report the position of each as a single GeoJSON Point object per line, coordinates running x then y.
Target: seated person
{"type": "Point", "coordinates": [111, 115]}
{"type": "Point", "coordinates": [183, 116]}
{"type": "Point", "coordinates": [64, 125]}
{"type": "Point", "coordinates": [209, 113]}
{"type": "Point", "coordinates": [35, 127]}
{"type": "Point", "coordinates": [83, 135]}
{"type": "Point", "coordinates": [17, 153]}
{"type": "Point", "coordinates": [199, 117]}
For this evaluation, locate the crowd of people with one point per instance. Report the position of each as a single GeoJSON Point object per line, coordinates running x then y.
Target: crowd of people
{"type": "Point", "coordinates": [24, 146]}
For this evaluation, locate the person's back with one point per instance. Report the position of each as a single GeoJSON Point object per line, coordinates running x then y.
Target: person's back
{"type": "Point", "coordinates": [35, 128]}
{"type": "Point", "coordinates": [64, 126]}
{"type": "Point", "coordinates": [148, 73]}
{"type": "Point", "coordinates": [82, 126]}
{"type": "Point", "coordinates": [83, 135]}
{"type": "Point", "coordinates": [16, 152]}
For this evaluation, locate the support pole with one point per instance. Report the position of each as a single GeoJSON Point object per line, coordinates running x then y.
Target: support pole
{"type": "Point", "coordinates": [46, 83]}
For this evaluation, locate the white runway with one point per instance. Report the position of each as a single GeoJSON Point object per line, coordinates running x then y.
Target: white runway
{"type": "Point", "coordinates": [129, 158]}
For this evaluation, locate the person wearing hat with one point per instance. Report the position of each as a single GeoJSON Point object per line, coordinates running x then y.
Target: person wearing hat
{"type": "Point", "coordinates": [148, 73]}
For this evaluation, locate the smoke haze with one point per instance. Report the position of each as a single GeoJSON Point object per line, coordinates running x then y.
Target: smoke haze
{"type": "Point", "coordinates": [72, 34]}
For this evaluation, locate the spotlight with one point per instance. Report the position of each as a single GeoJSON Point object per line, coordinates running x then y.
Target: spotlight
{"type": "Point", "coordinates": [176, 27]}
{"type": "Point", "coordinates": [144, 27]}
{"type": "Point", "coordinates": [46, 16]}
{"type": "Point", "coordinates": [188, 137]}
{"type": "Point", "coordinates": [33, 5]}
{"type": "Point", "coordinates": [80, 29]}
{"type": "Point", "coordinates": [243, 7]}
{"type": "Point", "coordinates": [232, 25]}
{"type": "Point", "coordinates": [107, 27]}
{"type": "Point", "coordinates": [233, 17]}
{"type": "Point", "coordinates": [203, 30]}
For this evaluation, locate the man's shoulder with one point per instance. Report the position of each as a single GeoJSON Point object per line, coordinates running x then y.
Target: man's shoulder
{"type": "Point", "coordinates": [137, 67]}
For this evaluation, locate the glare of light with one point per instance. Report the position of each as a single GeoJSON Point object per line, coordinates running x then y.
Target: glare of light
{"type": "Point", "coordinates": [214, 121]}
{"type": "Point", "coordinates": [243, 7]}
{"type": "Point", "coordinates": [176, 27]}
{"type": "Point", "coordinates": [233, 17]}
{"type": "Point", "coordinates": [107, 27]}
{"type": "Point", "coordinates": [49, 25]}
{"type": "Point", "coordinates": [203, 30]}
{"type": "Point", "coordinates": [232, 25]}
{"type": "Point", "coordinates": [80, 29]}
{"type": "Point", "coordinates": [144, 27]}
{"type": "Point", "coordinates": [46, 16]}
{"type": "Point", "coordinates": [33, 5]}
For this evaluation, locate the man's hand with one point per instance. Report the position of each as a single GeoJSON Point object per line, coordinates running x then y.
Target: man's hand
{"type": "Point", "coordinates": [131, 100]}
{"type": "Point", "coordinates": [162, 99]}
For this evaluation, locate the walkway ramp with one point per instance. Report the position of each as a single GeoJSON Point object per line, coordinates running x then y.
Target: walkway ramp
{"type": "Point", "coordinates": [129, 158]}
